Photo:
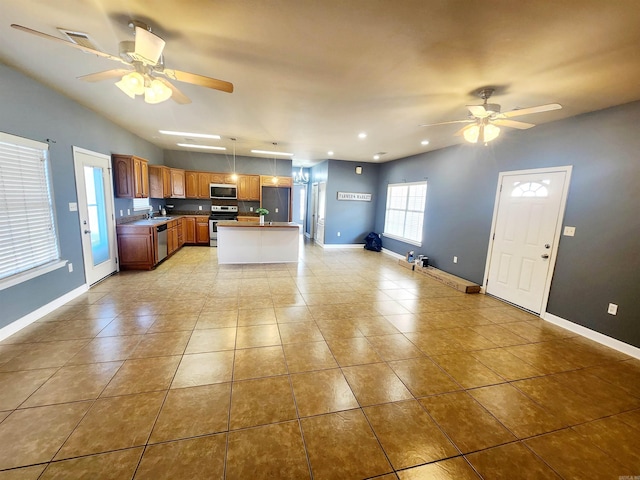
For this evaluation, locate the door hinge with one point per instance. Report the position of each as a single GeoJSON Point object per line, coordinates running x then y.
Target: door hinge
{"type": "Point", "coordinates": [494, 236]}
{"type": "Point", "coordinates": [500, 187]}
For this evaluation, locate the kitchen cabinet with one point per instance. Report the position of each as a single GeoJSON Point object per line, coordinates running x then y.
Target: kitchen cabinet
{"type": "Point", "coordinates": [159, 181]}
{"type": "Point", "coordinates": [131, 176]}
{"type": "Point", "coordinates": [222, 178]}
{"type": "Point", "coordinates": [189, 230]}
{"type": "Point", "coordinates": [177, 183]}
{"type": "Point", "coordinates": [172, 237]}
{"type": "Point", "coordinates": [136, 247]}
{"type": "Point", "coordinates": [181, 225]}
{"type": "Point", "coordinates": [202, 230]}
{"type": "Point", "coordinates": [191, 184]}
{"type": "Point", "coordinates": [204, 179]}
{"type": "Point", "coordinates": [249, 188]}
{"type": "Point", "coordinates": [267, 181]}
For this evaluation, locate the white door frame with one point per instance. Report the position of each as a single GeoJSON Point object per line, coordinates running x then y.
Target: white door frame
{"type": "Point", "coordinates": [314, 210]}
{"type": "Point", "coordinates": [111, 223]}
{"type": "Point", "coordinates": [563, 203]}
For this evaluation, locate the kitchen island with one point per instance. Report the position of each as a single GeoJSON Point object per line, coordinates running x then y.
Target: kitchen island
{"type": "Point", "coordinates": [251, 242]}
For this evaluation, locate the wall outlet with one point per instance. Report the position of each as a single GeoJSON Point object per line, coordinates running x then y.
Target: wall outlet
{"type": "Point", "coordinates": [613, 309]}
{"type": "Point", "coordinates": [338, 233]}
{"type": "Point", "coordinates": [128, 211]}
{"type": "Point", "coordinates": [569, 231]}
{"type": "Point", "coordinates": [455, 259]}
{"type": "Point", "coordinates": [251, 209]}
{"type": "Point", "coordinates": [276, 210]}
{"type": "Point", "coordinates": [73, 207]}
{"type": "Point", "coordinates": [121, 213]}
{"type": "Point", "coordinates": [70, 266]}
{"type": "Point", "coordinates": [199, 207]}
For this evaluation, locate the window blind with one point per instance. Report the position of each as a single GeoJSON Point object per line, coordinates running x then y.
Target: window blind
{"type": "Point", "coordinates": [404, 213]}
{"type": "Point", "coordinates": [27, 228]}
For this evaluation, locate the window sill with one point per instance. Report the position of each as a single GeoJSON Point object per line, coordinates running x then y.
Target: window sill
{"type": "Point", "coordinates": [19, 278]}
{"type": "Point", "coordinates": [402, 239]}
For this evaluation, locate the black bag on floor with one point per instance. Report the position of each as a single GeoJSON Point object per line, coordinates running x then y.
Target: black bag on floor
{"type": "Point", "coordinates": [373, 242]}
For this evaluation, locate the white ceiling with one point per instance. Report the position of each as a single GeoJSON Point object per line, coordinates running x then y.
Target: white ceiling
{"type": "Point", "coordinates": [310, 74]}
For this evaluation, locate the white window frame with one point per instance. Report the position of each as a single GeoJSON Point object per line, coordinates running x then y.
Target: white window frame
{"type": "Point", "coordinates": [23, 209]}
{"type": "Point", "coordinates": [406, 209]}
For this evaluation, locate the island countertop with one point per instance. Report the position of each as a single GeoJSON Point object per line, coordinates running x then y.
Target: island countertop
{"type": "Point", "coordinates": [256, 224]}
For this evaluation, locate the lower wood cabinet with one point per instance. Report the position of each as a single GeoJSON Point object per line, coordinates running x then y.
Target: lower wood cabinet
{"type": "Point", "coordinates": [202, 231]}
{"type": "Point", "coordinates": [196, 230]}
{"type": "Point", "coordinates": [172, 237]}
{"type": "Point", "coordinates": [136, 247]}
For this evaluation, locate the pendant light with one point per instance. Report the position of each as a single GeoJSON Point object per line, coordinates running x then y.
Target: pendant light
{"type": "Point", "coordinates": [234, 175]}
{"type": "Point", "coordinates": [275, 165]}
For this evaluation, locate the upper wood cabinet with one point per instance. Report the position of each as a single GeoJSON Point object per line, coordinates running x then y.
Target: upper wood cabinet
{"type": "Point", "coordinates": [267, 181]}
{"type": "Point", "coordinates": [222, 178]}
{"type": "Point", "coordinates": [159, 181]}
{"type": "Point", "coordinates": [131, 176]}
{"type": "Point", "coordinates": [177, 183]}
{"type": "Point", "coordinates": [204, 179]}
{"type": "Point", "coordinates": [249, 187]}
{"type": "Point", "coordinates": [191, 184]}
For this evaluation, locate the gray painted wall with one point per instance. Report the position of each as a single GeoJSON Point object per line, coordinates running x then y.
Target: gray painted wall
{"type": "Point", "coordinates": [211, 162]}
{"type": "Point", "coordinates": [597, 266]}
{"type": "Point", "coordinates": [32, 110]}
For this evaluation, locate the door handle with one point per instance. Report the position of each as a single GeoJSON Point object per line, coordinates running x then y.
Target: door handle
{"type": "Point", "coordinates": [87, 231]}
{"type": "Point", "coordinates": [545, 255]}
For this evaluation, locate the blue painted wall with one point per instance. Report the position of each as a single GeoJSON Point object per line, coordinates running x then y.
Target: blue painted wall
{"type": "Point", "coordinates": [31, 110]}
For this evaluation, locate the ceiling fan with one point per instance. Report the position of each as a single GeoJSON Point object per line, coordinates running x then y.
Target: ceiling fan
{"type": "Point", "coordinates": [485, 120]}
{"type": "Point", "coordinates": [145, 68]}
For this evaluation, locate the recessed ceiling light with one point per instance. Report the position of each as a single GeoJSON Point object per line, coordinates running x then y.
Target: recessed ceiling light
{"type": "Point", "coordinates": [269, 152]}
{"type": "Point", "coordinates": [362, 135]}
{"type": "Point", "coordinates": [424, 142]}
{"type": "Point", "coordinates": [330, 153]}
{"type": "Point", "coordinates": [188, 134]}
{"type": "Point", "coordinates": [205, 147]}
{"type": "Point", "coordinates": [376, 157]}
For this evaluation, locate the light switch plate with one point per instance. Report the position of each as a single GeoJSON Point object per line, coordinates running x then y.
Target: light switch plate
{"type": "Point", "coordinates": [569, 231]}
{"type": "Point", "coordinates": [73, 207]}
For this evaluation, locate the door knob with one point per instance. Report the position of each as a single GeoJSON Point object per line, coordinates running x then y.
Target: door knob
{"type": "Point", "coordinates": [87, 231]}
{"type": "Point", "coordinates": [547, 246]}
{"type": "Point", "coordinates": [544, 255]}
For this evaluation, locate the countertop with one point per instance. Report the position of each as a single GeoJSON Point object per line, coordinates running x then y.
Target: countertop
{"type": "Point", "coordinates": [234, 224]}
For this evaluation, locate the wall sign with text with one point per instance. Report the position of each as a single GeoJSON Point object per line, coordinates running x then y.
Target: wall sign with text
{"type": "Point", "coordinates": [359, 197]}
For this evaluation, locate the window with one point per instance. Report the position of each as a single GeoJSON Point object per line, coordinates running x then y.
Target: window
{"type": "Point", "coordinates": [404, 214]}
{"type": "Point", "coordinates": [141, 204]}
{"type": "Point", "coordinates": [28, 239]}
{"type": "Point", "coordinates": [530, 189]}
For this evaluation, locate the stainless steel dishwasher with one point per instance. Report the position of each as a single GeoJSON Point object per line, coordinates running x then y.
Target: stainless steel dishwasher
{"type": "Point", "coordinates": [162, 241]}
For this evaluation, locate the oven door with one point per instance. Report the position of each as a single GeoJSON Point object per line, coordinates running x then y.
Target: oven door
{"type": "Point", "coordinates": [213, 233]}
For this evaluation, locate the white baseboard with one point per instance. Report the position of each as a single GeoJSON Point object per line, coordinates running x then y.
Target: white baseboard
{"type": "Point", "coordinates": [343, 245]}
{"type": "Point", "coordinates": [28, 319]}
{"type": "Point", "coordinates": [392, 254]}
{"type": "Point", "coordinates": [307, 235]}
{"type": "Point", "coordinates": [593, 335]}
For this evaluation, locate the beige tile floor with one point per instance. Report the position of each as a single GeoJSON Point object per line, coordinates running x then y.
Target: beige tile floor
{"type": "Point", "coordinates": [342, 366]}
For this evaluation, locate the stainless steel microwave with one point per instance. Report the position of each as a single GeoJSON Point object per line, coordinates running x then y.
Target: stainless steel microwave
{"type": "Point", "coordinates": [223, 191]}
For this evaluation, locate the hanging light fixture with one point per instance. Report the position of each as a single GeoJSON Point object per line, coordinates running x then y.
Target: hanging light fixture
{"type": "Point", "coordinates": [301, 177]}
{"type": "Point", "coordinates": [234, 175]}
{"type": "Point", "coordinates": [153, 89]}
{"type": "Point", "coordinates": [275, 166]}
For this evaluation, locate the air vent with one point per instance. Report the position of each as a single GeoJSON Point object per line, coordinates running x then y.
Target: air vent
{"type": "Point", "coordinates": [79, 38]}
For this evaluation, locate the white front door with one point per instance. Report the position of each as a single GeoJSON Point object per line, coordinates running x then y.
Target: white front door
{"type": "Point", "coordinates": [526, 231]}
{"type": "Point", "coordinates": [95, 210]}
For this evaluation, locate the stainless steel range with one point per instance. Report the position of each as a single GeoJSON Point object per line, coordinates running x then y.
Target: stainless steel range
{"type": "Point", "coordinates": [220, 213]}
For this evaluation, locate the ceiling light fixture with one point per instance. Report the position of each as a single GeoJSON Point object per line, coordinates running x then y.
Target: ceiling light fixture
{"type": "Point", "coordinates": [234, 175]}
{"type": "Point", "coordinates": [481, 133]}
{"type": "Point", "coordinates": [189, 134]}
{"type": "Point", "coordinates": [330, 153]}
{"type": "Point", "coordinates": [301, 177]}
{"type": "Point", "coordinates": [270, 152]}
{"type": "Point", "coordinates": [376, 157]}
{"type": "Point", "coordinates": [205, 147]}
{"type": "Point", "coordinates": [136, 83]}
{"type": "Point", "coordinates": [362, 135]}
{"type": "Point", "coordinates": [424, 142]}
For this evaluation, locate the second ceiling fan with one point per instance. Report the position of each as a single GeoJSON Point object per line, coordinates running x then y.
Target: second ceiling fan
{"type": "Point", "coordinates": [485, 120]}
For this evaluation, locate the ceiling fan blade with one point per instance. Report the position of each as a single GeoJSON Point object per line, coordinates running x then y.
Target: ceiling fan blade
{"type": "Point", "coordinates": [527, 111]}
{"type": "Point", "coordinates": [148, 46]}
{"type": "Point", "coordinates": [68, 44]}
{"type": "Point", "coordinates": [445, 123]}
{"type": "Point", "coordinates": [97, 77]}
{"type": "Point", "coordinates": [200, 80]}
{"type": "Point", "coordinates": [461, 131]}
{"type": "Point", "coordinates": [512, 124]}
{"type": "Point", "coordinates": [177, 95]}
{"type": "Point", "coordinates": [478, 111]}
